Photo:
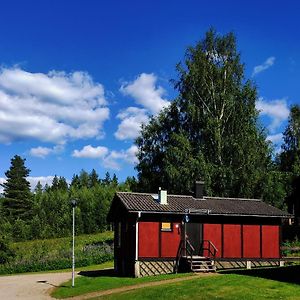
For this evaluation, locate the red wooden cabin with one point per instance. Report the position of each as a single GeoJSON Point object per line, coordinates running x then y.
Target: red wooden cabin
{"type": "Point", "coordinates": [163, 233]}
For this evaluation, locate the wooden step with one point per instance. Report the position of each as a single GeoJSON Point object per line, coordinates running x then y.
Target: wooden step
{"type": "Point", "coordinates": [202, 264]}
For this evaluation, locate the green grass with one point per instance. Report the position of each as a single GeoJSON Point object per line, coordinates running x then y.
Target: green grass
{"type": "Point", "coordinates": [84, 284]}
{"type": "Point", "coordinates": [272, 283]}
{"type": "Point", "coordinates": [229, 286]}
{"type": "Point", "coordinates": [55, 254]}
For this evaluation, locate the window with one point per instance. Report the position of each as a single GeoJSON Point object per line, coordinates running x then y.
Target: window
{"type": "Point", "coordinates": [166, 226]}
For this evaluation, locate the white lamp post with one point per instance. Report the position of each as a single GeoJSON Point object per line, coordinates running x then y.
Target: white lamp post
{"type": "Point", "coordinates": [73, 204]}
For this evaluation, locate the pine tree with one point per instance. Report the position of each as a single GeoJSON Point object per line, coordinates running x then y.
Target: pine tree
{"type": "Point", "coordinates": [93, 178]}
{"type": "Point", "coordinates": [18, 198]}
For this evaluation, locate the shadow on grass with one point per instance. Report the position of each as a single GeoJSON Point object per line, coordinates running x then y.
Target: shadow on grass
{"type": "Point", "coordinates": [99, 273]}
{"type": "Point", "coordinates": [288, 274]}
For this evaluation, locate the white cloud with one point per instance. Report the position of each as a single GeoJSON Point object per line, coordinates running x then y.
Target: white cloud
{"type": "Point", "coordinates": [54, 107]}
{"type": "Point", "coordinates": [42, 152]}
{"type": "Point", "coordinates": [32, 180]}
{"type": "Point", "coordinates": [146, 93]}
{"type": "Point", "coordinates": [275, 138]}
{"type": "Point", "coordinates": [42, 179]}
{"type": "Point", "coordinates": [91, 152]}
{"type": "Point", "coordinates": [277, 110]}
{"type": "Point", "coordinates": [131, 120]}
{"type": "Point", "coordinates": [109, 159]}
{"type": "Point", "coordinates": [269, 62]}
{"type": "Point", "coordinates": [115, 158]}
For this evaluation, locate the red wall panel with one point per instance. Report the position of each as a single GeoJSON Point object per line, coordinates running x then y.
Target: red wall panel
{"type": "Point", "coordinates": [270, 241]}
{"type": "Point", "coordinates": [213, 232]}
{"type": "Point", "coordinates": [170, 241]}
{"type": "Point", "coordinates": [251, 239]}
{"type": "Point", "coordinates": [148, 239]}
{"type": "Point", "coordinates": [232, 241]}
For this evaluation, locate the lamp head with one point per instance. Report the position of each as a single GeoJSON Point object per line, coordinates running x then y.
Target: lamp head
{"type": "Point", "coordinates": [73, 203]}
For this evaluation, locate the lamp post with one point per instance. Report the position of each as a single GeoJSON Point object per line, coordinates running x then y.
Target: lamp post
{"type": "Point", "coordinates": [73, 204]}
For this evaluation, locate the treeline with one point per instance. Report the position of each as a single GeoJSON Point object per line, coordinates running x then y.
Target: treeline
{"type": "Point", "coordinates": [45, 212]}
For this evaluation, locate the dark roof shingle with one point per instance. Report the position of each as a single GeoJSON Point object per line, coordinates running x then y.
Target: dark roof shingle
{"type": "Point", "coordinates": [215, 205]}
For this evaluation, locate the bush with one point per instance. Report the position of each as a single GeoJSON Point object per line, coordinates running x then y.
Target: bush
{"type": "Point", "coordinates": [6, 253]}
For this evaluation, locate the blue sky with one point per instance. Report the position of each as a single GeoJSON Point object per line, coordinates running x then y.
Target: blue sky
{"type": "Point", "coordinates": [79, 77]}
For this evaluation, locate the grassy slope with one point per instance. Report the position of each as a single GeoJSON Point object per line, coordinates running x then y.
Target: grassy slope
{"type": "Point", "coordinates": [54, 246]}
{"type": "Point", "coordinates": [229, 286]}
{"type": "Point", "coordinates": [51, 254]}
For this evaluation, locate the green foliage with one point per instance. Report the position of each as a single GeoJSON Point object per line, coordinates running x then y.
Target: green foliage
{"type": "Point", "coordinates": [54, 254]}
{"type": "Point", "coordinates": [210, 131]}
{"type": "Point", "coordinates": [6, 253]}
{"type": "Point", "coordinates": [289, 159]}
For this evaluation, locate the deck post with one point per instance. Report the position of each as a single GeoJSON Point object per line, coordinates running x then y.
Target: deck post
{"type": "Point", "coordinates": [248, 264]}
{"type": "Point", "coordinates": [137, 269]}
{"type": "Point", "coordinates": [281, 263]}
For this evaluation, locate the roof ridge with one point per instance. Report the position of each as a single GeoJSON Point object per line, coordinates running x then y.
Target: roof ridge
{"type": "Point", "coordinates": [150, 194]}
{"type": "Point", "coordinates": [232, 198]}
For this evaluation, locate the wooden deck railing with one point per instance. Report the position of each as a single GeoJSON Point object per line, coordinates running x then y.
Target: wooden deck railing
{"type": "Point", "coordinates": [208, 246]}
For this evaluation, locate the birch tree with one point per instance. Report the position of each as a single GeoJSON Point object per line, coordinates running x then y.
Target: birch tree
{"type": "Point", "coordinates": [211, 130]}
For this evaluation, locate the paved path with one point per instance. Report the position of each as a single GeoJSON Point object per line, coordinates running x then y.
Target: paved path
{"type": "Point", "coordinates": [30, 287]}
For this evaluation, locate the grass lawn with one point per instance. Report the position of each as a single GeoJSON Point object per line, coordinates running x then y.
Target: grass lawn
{"type": "Point", "coordinates": [85, 284]}
{"type": "Point", "coordinates": [273, 283]}
{"type": "Point", "coordinates": [225, 286]}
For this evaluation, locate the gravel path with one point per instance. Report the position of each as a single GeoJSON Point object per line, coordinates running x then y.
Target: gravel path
{"type": "Point", "coordinates": [30, 287]}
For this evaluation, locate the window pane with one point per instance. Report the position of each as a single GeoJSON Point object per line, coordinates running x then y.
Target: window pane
{"type": "Point", "coordinates": [166, 226]}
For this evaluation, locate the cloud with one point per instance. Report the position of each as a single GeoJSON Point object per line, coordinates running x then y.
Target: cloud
{"type": "Point", "coordinates": [90, 152]}
{"type": "Point", "coordinates": [109, 159]}
{"type": "Point", "coordinates": [33, 181]}
{"type": "Point", "coordinates": [55, 107]}
{"type": "Point", "coordinates": [42, 152]}
{"type": "Point", "coordinates": [277, 110]}
{"type": "Point", "coordinates": [115, 158]}
{"type": "Point", "coordinates": [131, 120]}
{"type": "Point", "coordinates": [275, 138]}
{"type": "Point", "coordinates": [146, 93]}
{"type": "Point", "coordinates": [269, 62]}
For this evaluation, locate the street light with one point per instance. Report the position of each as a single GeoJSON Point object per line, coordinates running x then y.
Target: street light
{"type": "Point", "coordinates": [73, 204]}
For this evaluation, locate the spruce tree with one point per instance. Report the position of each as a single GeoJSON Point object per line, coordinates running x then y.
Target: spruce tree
{"type": "Point", "coordinates": [17, 201]}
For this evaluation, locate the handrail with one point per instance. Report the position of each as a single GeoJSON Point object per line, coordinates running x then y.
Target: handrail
{"type": "Point", "coordinates": [210, 245]}
{"type": "Point", "coordinates": [178, 255]}
{"type": "Point", "coordinates": [185, 247]}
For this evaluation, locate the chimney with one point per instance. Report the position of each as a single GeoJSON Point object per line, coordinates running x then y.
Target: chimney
{"type": "Point", "coordinates": [162, 197]}
{"type": "Point", "coordinates": [199, 187]}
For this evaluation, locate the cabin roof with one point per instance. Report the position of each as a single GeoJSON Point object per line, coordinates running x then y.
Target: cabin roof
{"type": "Point", "coordinates": [181, 204]}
